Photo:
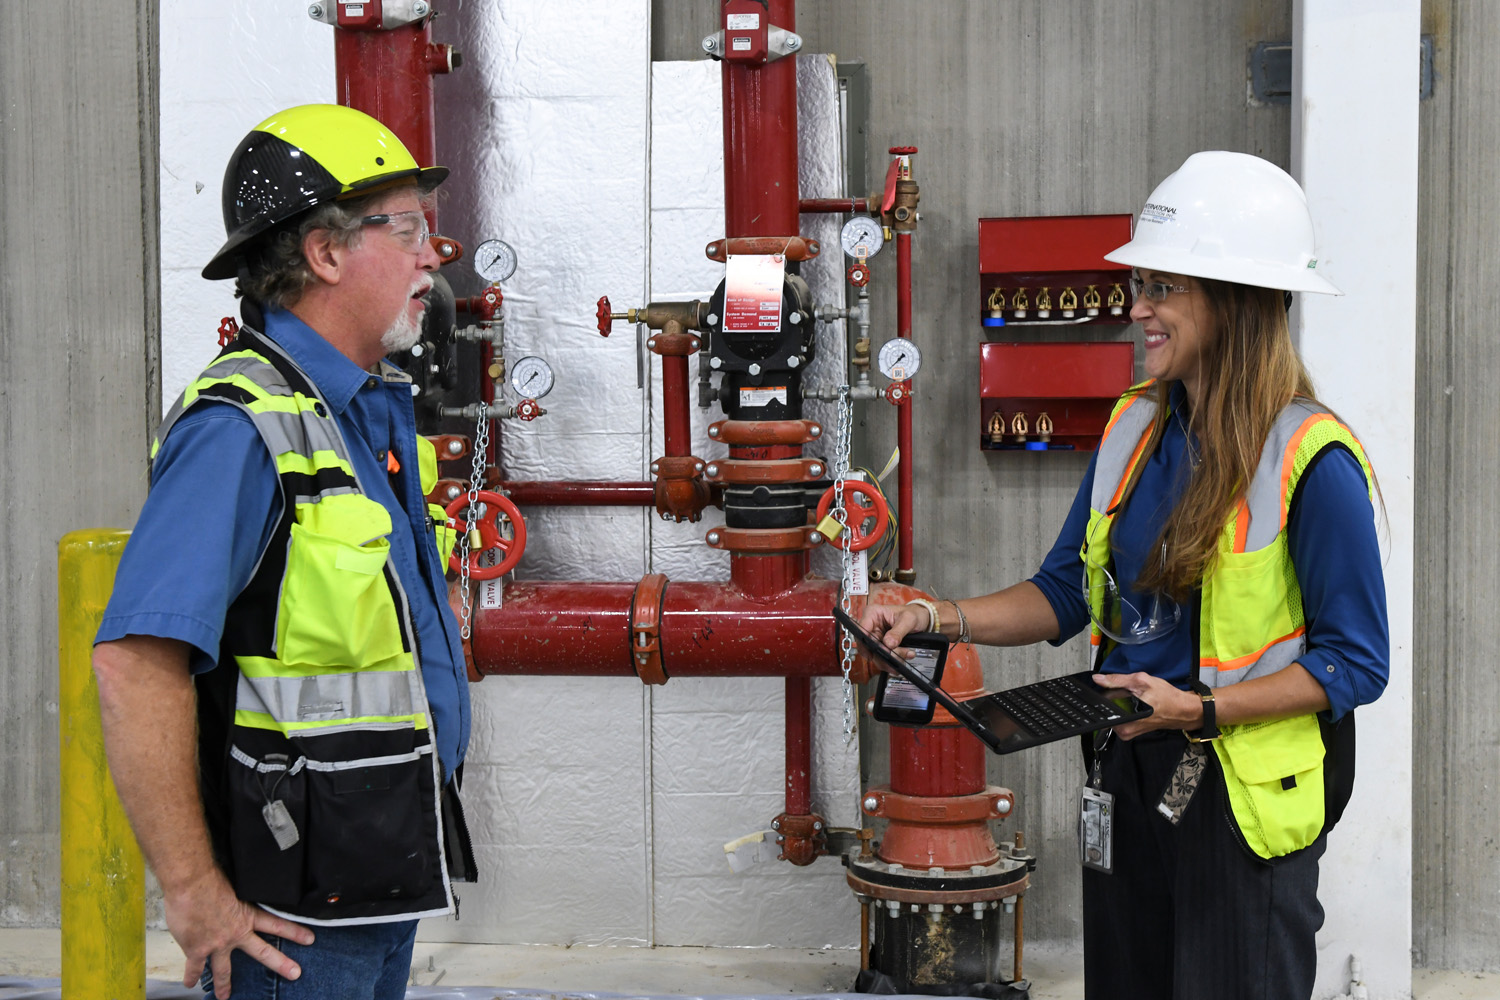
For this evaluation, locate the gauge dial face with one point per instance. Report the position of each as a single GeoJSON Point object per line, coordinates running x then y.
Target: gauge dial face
{"type": "Point", "coordinates": [531, 377]}
{"type": "Point", "coordinates": [899, 359]}
{"type": "Point", "coordinates": [494, 260]}
{"type": "Point", "coordinates": [862, 237]}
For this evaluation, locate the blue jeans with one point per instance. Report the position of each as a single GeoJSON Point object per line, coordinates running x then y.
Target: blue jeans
{"type": "Point", "coordinates": [364, 962]}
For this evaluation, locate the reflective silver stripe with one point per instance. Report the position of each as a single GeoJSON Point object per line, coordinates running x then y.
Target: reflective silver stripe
{"type": "Point", "coordinates": [1279, 656]}
{"type": "Point", "coordinates": [1264, 496]}
{"type": "Point", "coordinates": [302, 500]}
{"type": "Point", "coordinates": [303, 433]}
{"type": "Point", "coordinates": [324, 766]}
{"type": "Point", "coordinates": [349, 765]}
{"type": "Point", "coordinates": [1117, 447]}
{"type": "Point", "coordinates": [327, 697]}
{"type": "Point", "coordinates": [263, 767]}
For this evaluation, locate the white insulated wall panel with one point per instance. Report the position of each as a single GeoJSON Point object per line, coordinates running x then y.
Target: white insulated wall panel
{"type": "Point", "coordinates": [548, 142]}
{"type": "Point", "coordinates": [224, 68]}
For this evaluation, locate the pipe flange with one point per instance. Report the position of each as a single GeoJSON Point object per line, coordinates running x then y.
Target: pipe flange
{"type": "Point", "coordinates": [981, 883]}
{"type": "Point", "coordinates": [645, 629]}
{"type": "Point", "coordinates": [763, 541]}
{"type": "Point", "coordinates": [765, 432]}
{"type": "Point", "coordinates": [765, 472]}
{"type": "Point", "coordinates": [791, 247]}
{"type": "Point", "coordinates": [992, 803]}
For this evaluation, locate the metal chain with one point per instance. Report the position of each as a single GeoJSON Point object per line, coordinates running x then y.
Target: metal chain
{"type": "Point", "coordinates": [471, 515]}
{"type": "Point", "coordinates": [846, 540]}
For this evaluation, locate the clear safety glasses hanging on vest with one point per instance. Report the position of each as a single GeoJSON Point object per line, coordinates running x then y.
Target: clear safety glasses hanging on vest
{"type": "Point", "coordinates": [1129, 618]}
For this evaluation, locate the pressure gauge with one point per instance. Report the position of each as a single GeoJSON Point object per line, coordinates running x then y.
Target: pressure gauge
{"type": "Point", "coordinates": [862, 237]}
{"type": "Point", "coordinates": [531, 377]}
{"type": "Point", "coordinates": [494, 260]}
{"type": "Point", "coordinates": [899, 359]}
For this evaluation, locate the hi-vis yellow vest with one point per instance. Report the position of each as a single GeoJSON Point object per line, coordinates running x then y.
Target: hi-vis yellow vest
{"type": "Point", "coordinates": [327, 714]}
{"type": "Point", "coordinates": [1249, 613]}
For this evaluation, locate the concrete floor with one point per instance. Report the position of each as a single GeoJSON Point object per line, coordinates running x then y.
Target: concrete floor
{"type": "Point", "coordinates": [1054, 975]}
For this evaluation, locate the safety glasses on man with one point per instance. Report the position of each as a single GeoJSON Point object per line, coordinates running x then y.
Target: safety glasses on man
{"type": "Point", "coordinates": [409, 229]}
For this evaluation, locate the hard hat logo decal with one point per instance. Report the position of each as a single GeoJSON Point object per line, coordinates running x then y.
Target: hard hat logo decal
{"type": "Point", "coordinates": [1158, 213]}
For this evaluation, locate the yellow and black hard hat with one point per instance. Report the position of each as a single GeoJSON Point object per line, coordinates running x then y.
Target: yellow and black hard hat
{"type": "Point", "coordinates": [303, 157]}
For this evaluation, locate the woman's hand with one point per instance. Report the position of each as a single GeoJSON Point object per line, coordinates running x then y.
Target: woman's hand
{"type": "Point", "coordinates": [1171, 707]}
{"type": "Point", "coordinates": [890, 623]}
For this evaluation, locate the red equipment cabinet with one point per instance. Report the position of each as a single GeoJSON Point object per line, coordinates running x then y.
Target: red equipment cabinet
{"type": "Point", "coordinates": [1074, 384]}
{"type": "Point", "coordinates": [1051, 269]}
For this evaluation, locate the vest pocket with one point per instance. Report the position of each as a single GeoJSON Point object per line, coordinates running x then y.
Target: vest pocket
{"type": "Point", "coordinates": [1245, 604]}
{"type": "Point", "coordinates": [336, 609]}
{"type": "Point", "coordinates": [264, 871]}
{"type": "Point", "coordinates": [373, 831]}
{"type": "Point", "coordinates": [1273, 775]}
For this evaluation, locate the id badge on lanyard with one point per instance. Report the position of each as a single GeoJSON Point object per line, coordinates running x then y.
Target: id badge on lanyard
{"type": "Point", "coordinates": [1096, 818]}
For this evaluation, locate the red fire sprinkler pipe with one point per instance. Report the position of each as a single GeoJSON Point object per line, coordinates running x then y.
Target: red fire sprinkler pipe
{"type": "Point", "coordinates": [905, 572]}
{"type": "Point", "coordinates": [387, 73]}
{"type": "Point", "coordinates": [760, 134]}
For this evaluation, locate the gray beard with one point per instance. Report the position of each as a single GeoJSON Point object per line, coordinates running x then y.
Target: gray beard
{"type": "Point", "coordinates": [403, 334]}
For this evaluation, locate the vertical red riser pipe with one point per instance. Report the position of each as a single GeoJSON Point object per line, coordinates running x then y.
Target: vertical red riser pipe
{"type": "Point", "coordinates": [760, 139]}
{"type": "Point", "coordinates": [761, 199]}
{"type": "Point", "coordinates": [904, 557]}
{"type": "Point", "coordinates": [676, 412]}
{"type": "Point", "coordinates": [388, 74]}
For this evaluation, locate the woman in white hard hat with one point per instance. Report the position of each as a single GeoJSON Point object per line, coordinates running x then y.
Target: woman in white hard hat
{"type": "Point", "coordinates": [1222, 552]}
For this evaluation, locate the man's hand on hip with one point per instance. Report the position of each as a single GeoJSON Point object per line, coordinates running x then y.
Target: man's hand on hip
{"type": "Point", "coordinates": [209, 922]}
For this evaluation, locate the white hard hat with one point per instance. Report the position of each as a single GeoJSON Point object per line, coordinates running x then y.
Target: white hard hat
{"type": "Point", "coordinates": [1231, 217]}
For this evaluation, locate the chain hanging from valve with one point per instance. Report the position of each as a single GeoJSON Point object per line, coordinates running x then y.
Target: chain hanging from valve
{"type": "Point", "coordinates": [470, 539]}
{"type": "Point", "coordinates": [846, 582]}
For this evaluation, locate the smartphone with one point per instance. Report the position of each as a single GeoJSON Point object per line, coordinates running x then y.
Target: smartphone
{"type": "Point", "coordinates": [898, 701]}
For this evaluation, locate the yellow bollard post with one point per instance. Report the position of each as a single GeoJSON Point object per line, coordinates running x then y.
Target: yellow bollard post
{"type": "Point", "coordinates": [103, 876]}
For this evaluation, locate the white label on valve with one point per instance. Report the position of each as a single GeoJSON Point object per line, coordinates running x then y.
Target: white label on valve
{"type": "Point", "coordinates": [752, 292]}
{"type": "Point", "coordinates": [858, 583]}
{"type": "Point", "coordinates": [354, 10]}
{"type": "Point", "coordinates": [740, 43]}
{"type": "Point", "coordinates": [763, 396]}
{"type": "Point", "coordinates": [741, 21]}
{"type": "Point", "coordinates": [491, 593]}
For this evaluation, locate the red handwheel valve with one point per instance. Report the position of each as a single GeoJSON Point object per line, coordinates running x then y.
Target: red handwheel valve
{"type": "Point", "coordinates": [490, 536]}
{"type": "Point", "coordinates": [856, 513]}
{"type": "Point", "coordinates": [603, 316]}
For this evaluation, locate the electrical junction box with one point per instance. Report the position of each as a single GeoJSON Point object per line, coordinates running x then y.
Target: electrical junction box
{"type": "Point", "coordinates": [747, 31]}
{"type": "Point", "coordinates": [1050, 397]}
{"type": "Point", "coordinates": [1050, 270]}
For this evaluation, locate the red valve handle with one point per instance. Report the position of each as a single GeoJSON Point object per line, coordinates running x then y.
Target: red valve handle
{"type": "Point", "coordinates": [856, 513]}
{"type": "Point", "coordinates": [489, 534]}
{"type": "Point", "coordinates": [898, 393]}
{"type": "Point", "coordinates": [903, 150]}
{"type": "Point", "coordinates": [859, 275]}
{"type": "Point", "coordinates": [602, 315]}
{"type": "Point", "coordinates": [228, 330]}
{"type": "Point", "coordinates": [528, 409]}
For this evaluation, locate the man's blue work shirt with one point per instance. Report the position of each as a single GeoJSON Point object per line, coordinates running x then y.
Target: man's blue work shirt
{"type": "Point", "coordinates": [215, 500]}
{"type": "Point", "coordinates": [1334, 548]}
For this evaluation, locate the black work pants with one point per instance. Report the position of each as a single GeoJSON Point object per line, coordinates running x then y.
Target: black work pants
{"type": "Point", "coordinates": [1188, 912]}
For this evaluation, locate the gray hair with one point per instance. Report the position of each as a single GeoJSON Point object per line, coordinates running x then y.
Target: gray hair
{"type": "Point", "coordinates": [279, 273]}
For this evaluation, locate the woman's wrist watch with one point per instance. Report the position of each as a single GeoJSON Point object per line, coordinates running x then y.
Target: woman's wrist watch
{"type": "Point", "coordinates": [1209, 730]}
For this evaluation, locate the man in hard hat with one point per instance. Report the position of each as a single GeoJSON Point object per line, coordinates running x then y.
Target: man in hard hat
{"type": "Point", "coordinates": [282, 682]}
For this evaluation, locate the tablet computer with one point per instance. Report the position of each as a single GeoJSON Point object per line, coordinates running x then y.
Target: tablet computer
{"type": "Point", "coordinates": [1020, 717]}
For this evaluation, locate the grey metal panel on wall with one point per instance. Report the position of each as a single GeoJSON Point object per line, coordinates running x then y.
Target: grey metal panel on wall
{"type": "Point", "coordinates": [78, 333]}
{"type": "Point", "coordinates": [1455, 854]}
{"type": "Point", "coordinates": [1037, 107]}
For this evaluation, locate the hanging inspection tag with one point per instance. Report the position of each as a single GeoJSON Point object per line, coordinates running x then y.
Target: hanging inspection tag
{"type": "Point", "coordinates": [1096, 831]}
{"type": "Point", "coordinates": [752, 292]}
{"type": "Point", "coordinates": [280, 823]}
